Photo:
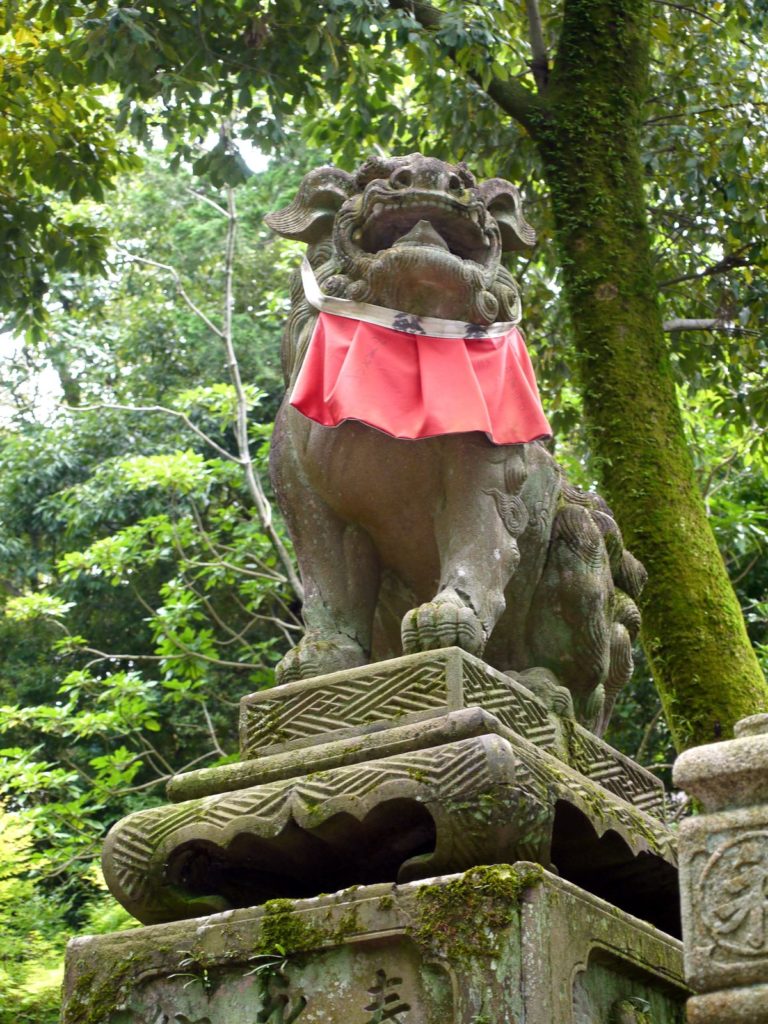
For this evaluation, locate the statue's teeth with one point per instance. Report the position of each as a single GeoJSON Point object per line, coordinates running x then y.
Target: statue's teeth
{"type": "Point", "coordinates": [422, 233]}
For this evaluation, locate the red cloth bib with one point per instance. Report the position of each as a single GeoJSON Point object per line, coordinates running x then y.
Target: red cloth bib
{"type": "Point", "coordinates": [413, 385]}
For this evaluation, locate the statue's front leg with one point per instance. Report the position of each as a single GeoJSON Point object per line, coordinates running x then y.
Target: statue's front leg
{"type": "Point", "coordinates": [478, 519]}
{"type": "Point", "coordinates": [339, 568]}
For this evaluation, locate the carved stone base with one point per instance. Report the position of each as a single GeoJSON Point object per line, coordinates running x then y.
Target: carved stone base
{"type": "Point", "coordinates": [493, 945]}
{"type": "Point", "coordinates": [500, 780]}
{"type": "Point", "coordinates": [724, 876]}
{"type": "Point", "coordinates": [736, 1006]}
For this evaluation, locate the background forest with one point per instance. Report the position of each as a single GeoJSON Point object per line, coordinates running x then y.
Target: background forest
{"type": "Point", "coordinates": [145, 584]}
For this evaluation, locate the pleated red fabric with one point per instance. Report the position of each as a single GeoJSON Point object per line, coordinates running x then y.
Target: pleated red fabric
{"type": "Point", "coordinates": [413, 385]}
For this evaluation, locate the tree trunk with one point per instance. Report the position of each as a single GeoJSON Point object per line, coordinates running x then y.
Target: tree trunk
{"type": "Point", "coordinates": [586, 125]}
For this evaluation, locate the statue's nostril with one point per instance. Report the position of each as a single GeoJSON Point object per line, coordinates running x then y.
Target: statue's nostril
{"type": "Point", "coordinates": [402, 178]}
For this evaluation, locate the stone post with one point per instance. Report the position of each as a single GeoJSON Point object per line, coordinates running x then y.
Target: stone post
{"type": "Point", "coordinates": [724, 877]}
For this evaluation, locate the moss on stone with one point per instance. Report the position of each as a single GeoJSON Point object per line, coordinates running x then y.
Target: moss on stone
{"type": "Point", "coordinates": [348, 924]}
{"type": "Point", "coordinates": [284, 930]}
{"type": "Point", "coordinates": [466, 917]}
{"type": "Point", "coordinates": [94, 999]}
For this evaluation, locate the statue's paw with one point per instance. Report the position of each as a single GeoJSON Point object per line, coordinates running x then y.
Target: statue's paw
{"type": "Point", "coordinates": [546, 686]}
{"type": "Point", "coordinates": [318, 654]}
{"type": "Point", "coordinates": [445, 622]}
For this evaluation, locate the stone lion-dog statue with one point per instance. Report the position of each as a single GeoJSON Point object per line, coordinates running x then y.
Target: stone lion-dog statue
{"type": "Point", "coordinates": [460, 529]}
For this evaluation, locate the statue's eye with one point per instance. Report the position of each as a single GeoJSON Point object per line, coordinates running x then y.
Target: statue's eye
{"type": "Point", "coordinates": [454, 183]}
{"type": "Point", "coordinates": [402, 178]}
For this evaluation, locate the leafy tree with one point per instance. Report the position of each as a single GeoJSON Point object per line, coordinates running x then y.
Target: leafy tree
{"type": "Point", "coordinates": [141, 594]}
{"type": "Point", "coordinates": [58, 148]}
{"type": "Point", "coordinates": [602, 105]}
{"type": "Point", "coordinates": [147, 585]}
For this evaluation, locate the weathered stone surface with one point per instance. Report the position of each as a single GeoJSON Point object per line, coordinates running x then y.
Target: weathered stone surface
{"type": "Point", "coordinates": [724, 875]}
{"type": "Point", "coordinates": [417, 689]}
{"type": "Point", "coordinates": [735, 1006]}
{"type": "Point", "coordinates": [414, 545]}
{"type": "Point", "coordinates": [400, 691]}
{"type": "Point", "coordinates": [452, 787]}
{"type": "Point", "coordinates": [476, 801]}
{"type": "Point", "coordinates": [502, 944]}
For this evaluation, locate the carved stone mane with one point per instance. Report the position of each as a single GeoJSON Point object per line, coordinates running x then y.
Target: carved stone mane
{"type": "Point", "coordinates": [395, 232]}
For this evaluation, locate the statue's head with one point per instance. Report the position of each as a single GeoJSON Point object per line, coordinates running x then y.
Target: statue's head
{"type": "Point", "coordinates": [411, 233]}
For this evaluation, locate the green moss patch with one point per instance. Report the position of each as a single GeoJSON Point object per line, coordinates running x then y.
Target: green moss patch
{"type": "Point", "coordinates": [466, 916]}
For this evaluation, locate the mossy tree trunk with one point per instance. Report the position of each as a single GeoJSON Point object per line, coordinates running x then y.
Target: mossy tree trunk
{"type": "Point", "coordinates": [586, 121]}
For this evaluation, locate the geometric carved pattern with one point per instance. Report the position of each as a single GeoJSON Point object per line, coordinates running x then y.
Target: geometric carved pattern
{"type": "Point", "coordinates": [519, 711]}
{"type": "Point", "coordinates": [534, 775]}
{"type": "Point", "coordinates": [428, 685]}
{"type": "Point", "coordinates": [615, 772]}
{"type": "Point", "coordinates": [356, 700]}
{"type": "Point", "coordinates": [487, 800]}
{"type": "Point", "coordinates": [452, 782]}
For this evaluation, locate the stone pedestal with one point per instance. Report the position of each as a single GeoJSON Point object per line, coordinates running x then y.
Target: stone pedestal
{"type": "Point", "coordinates": [411, 768]}
{"type": "Point", "coordinates": [724, 877]}
{"type": "Point", "coordinates": [500, 945]}
{"type": "Point", "coordinates": [370, 781]}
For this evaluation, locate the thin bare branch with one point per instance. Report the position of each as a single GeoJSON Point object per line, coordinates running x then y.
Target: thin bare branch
{"type": "Point", "coordinates": [686, 7]}
{"type": "Point", "coordinates": [729, 262]}
{"type": "Point", "coordinates": [679, 115]}
{"type": "Point", "coordinates": [711, 324]}
{"type": "Point", "coordinates": [746, 571]}
{"type": "Point", "coordinates": [179, 288]}
{"type": "Point", "coordinates": [255, 489]}
{"type": "Point", "coordinates": [647, 733]}
{"type": "Point", "coordinates": [212, 730]}
{"type": "Point", "coordinates": [157, 409]}
{"type": "Point", "coordinates": [207, 199]}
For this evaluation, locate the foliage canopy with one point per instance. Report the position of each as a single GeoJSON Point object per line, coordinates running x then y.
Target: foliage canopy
{"type": "Point", "coordinates": [141, 594]}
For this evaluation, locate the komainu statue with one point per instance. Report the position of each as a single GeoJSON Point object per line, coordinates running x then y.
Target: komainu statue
{"type": "Point", "coordinates": [410, 457]}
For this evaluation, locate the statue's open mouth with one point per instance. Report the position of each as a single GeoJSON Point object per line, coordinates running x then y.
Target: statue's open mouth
{"type": "Point", "coordinates": [428, 220]}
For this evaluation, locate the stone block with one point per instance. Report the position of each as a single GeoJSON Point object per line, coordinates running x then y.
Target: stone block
{"type": "Point", "coordinates": [735, 1006]}
{"type": "Point", "coordinates": [724, 876]}
{"type": "Point", "coordinates": [503, 944]}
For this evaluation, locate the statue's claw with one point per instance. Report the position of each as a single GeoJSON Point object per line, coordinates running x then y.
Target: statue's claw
{"type": "Point", "coordinates": [444, 622]}
{"type": "Point", "coordinates": [547, 687]}
{"type": "Point", "coordinates": [317, 654]}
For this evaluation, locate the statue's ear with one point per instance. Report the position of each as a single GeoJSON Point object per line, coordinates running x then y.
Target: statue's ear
{"type": "Point", "coordinates": [506, 207]}
{"type": "Point", "coordinates": [309, 217]}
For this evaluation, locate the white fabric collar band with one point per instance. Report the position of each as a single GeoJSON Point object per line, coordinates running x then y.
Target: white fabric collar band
{"type": "Point", "coordinates": [409, 323]}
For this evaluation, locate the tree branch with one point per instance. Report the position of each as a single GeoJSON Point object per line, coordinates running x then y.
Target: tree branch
{"type": "Point", "coordinates": [513, 97]}
{"type": "Point", "coordinates": [255, 489]}
{"type": "Point", "coordinates": [689, 9]}
{"type": "Point", "coordinates": [540, 62]}
{"type": "Point", "coordinates": [647, 733]}
{"type": "Point", "coordinates": [179, 288]}
{"type": "Point", "coordinates": [729, 262]}
{"type": "Point", "coordinates": [713, 324]}
{"type": "Point", "coordinates": [162, 409]}
{"type": "Point", "coordinates": [206, 199]}
{"type": "Point", "coordinates": [212, 730]}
